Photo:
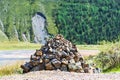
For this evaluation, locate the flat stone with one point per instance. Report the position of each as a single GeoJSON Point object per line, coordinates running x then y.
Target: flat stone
{"type": "Point", "coordinates": [33, 57]}
{"type": "Point", "coordinates": [64, 54]}
{"type": "Point", "coordinates": [56, 63]}
{"type": "Point", "coordinates": [49, 66]}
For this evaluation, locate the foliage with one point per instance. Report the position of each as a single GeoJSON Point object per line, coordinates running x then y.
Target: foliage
{"type": "Point", "coordinates": [80, 21]}
{"type": "Point", "coordinates": [11, 69]}
{"type": "Point", "coordinates": [16, 17]}
{"type": "Point", "coordinates": [110, 58]}
{"type": "Point", "coordinates": [88, 21]}
{"type": "Point", "coordinates": [3, 37]}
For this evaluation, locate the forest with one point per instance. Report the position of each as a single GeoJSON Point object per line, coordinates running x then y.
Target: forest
{"type": "Point", "coordinates": [88, 21]}
{"type": "Point", "coordinates": [80, 21]}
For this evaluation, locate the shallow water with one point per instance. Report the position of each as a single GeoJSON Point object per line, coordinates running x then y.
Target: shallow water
{"type": "Point", "coordinates": [11, 56]}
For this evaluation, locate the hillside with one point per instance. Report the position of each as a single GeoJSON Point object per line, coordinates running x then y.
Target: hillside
{"type": "Point", "coordinates": [80, 21]}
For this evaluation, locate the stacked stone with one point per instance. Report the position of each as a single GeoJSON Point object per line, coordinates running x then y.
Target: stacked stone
{"type": "Point", "coordinates": [57, 53]}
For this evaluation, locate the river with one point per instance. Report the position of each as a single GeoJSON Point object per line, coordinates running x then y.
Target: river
{"type": "Point", "coordinates": [10, 56]}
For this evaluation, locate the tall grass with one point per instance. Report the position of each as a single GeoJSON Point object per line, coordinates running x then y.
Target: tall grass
{"type": "Point", "coordinates": [11, 69]}
{"type": "Point", "coordinates": [109, 58]}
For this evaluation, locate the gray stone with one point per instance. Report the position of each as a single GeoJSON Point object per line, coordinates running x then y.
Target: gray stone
{"type": "Point", "coordinates": [64, 67]}
{"type": "Point", "coordinates": [56, 63]}
{"type": "Point", "coordinates": [72, 61]}
{"type": "Point", "coordinates": [33, 57]}
{"type": "Point", "coordinates": [72, 67]}
{"type": "Point", "coordinates": [38, 67]}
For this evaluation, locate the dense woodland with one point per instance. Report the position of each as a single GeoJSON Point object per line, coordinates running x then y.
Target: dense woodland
{"type": "Point", "coordinates": [80, 21]}
{"type": "Point", "coordinates": [88, 21]}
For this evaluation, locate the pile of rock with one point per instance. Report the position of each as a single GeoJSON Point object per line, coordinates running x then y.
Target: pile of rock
{"type": "Point", "coordinates": [57, 53]}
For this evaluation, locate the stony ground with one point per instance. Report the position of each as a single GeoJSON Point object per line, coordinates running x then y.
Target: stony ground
{"type": "Point", "coordinates": [58, 75]}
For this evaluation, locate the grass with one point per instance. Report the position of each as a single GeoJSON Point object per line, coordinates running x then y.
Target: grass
{"type": "Point", "coordinates": [11, 69]}
{"type": "Point", "coordinates": [116, 69]}
{"type": "Point", "coordinates": [102, 47]}
{"type": "Point", "coordinates": [14, 45]}
{"type": "Point", "coordinates": [18, 45]}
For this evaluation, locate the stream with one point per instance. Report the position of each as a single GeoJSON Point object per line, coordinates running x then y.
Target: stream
{"type": "Point", "coordinates": [8, 57]}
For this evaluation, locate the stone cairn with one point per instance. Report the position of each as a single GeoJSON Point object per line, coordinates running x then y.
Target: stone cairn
{"type": "Point", "coordinates": [57, 54]}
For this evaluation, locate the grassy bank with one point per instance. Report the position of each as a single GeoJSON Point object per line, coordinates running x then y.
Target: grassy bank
{"type": "Point", "coordinates": [18, 45]}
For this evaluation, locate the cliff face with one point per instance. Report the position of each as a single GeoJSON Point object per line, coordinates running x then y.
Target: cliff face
{"type": "Point", "coordinates": [39, 28]}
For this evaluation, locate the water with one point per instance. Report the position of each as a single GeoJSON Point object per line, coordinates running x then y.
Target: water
{"type": "Point", "coordinates": [11, 56]}
{"type": "Point", "coordinates": [38, 25]}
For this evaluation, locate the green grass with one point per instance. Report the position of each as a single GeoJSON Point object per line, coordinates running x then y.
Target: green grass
{"type": "Point", "coordinates": [102, 47]}
{"type": "Point", "coordinates": [26, 45]}
{"type": "Point", "coordinates": [89, 47]}
{"type": "Point", "coordinates": [18, 45]}
{"type": "Point", "coordinates": [11, 69]}
{"type": "Point", "coordinates": [13, 45]}
{"type": "Point", "coordinates": [115, 69]}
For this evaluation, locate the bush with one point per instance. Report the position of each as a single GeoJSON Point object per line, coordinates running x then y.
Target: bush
{"type": "Point", "coordinates": [109, 58]}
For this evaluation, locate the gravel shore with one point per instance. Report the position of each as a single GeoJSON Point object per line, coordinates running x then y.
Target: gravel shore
{"type": "Point", "coordinates": [59, 75]}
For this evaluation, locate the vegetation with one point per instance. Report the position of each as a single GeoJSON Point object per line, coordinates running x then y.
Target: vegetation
{"type": "Point", "coordinates": [16, 15]}
{"type": "Point", "coordinates": [11, 69]}
{"type": "Point", "coordinates": [80, 21]}
{"type": "Point", "coordinates": [88, 21]}
{"type": "Point", "coordinates": [3, 37]}
{"type": "Point", "coordinates": [109, 59]}
{"type": "Point", "coordinates": [18, 45]}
